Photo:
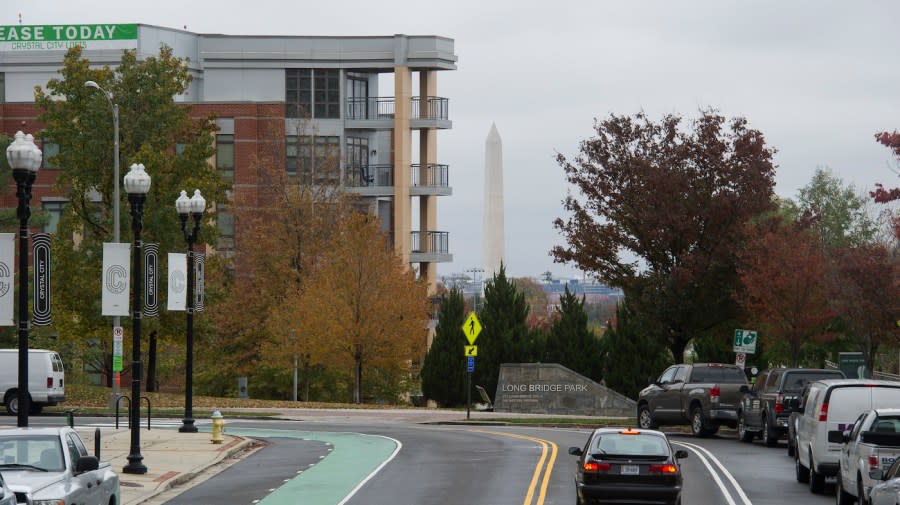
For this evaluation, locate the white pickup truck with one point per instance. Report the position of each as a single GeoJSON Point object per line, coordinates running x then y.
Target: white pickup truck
{"type": "Point", "coordinates": [52, 466]}
{"type": "Point", "coordinates": [868, 449]}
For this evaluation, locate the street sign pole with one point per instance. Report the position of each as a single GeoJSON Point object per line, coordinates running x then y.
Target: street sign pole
{"type": "Point", "coordinates": [468, 394]}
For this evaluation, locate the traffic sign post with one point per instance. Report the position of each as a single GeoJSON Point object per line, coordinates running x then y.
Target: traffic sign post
{"type": "Point", "coordinates": [471, 328]}
{"type": "Point", "coordinates": [740, 359]}
{"type": "Point", "coordinates": [745, 341]}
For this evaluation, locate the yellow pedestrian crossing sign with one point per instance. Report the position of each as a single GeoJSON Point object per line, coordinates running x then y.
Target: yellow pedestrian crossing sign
{"type": "Point", "coordinates": [471, 328]}
{"type": "Point", "coordinates": [471, 350]}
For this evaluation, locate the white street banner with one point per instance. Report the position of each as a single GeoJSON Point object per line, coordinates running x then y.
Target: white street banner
{"type": "Point", "coordinates": [116, 278]}
{"type": "Point", "coordinates": [7, 293]}
{"type": "Point", "coordinates": [177, 296]}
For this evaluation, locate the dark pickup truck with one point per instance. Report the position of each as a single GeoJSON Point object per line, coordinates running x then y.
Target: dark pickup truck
{"type": "Point", "coordinates": [702, 395]}
{"type": "Point", "coordinates": [765, 409]}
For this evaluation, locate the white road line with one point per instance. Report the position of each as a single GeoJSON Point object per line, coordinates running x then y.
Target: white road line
{"type": "Point", "coordinates": [375, 471]}
{"type": "Point", "coordinates": [703, 457]}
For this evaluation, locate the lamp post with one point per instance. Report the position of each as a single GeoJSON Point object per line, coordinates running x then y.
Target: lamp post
{"type": "Point", "coordinates": [137, 183]}
{"type": "Point", "coordinates": [195, 206]}
{"type": "Point", "coordinates": [24, 158]}
{"type": "Point", "coordinates": [116, 201]}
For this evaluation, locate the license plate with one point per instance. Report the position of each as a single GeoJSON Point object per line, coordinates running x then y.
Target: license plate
{"type": "Point", "coordinates": [631, 470]}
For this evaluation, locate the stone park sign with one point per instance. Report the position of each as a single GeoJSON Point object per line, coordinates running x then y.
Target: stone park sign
{"type": "Point", "coordinates": [548, 388]}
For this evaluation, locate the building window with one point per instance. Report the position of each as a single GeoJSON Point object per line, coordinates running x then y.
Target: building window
{"type": "Point", "coordinates": [49, 151]}
{"type": "Point", "coordinates": [225, 156]}
{"type": "Point", "coordinates": [225, 225]}
{"type": "Point", "coordinates": [302, 85]}
{"type": "Point", "coordinates": [54, 212]}
{"type": "Point", "coordinates": [313, 164]}
{"type": "Point", "coordinates": [298, 92]}
{"type": "Point", "coordinates": [327, 94]}
{"type": "Point", "coordinates": [357, 156]}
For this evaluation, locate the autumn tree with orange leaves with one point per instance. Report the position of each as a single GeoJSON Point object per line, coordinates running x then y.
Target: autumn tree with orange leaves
{"type": "Point", "coordinates": [361, 307]}
{"type": "Point", "coordinates": [785, 283]}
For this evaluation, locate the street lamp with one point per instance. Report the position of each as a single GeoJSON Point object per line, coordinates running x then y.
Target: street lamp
{"type": "Point", "coordinates": [24, 158]}
{"type": "Point", "coordinates": [137, 183]}
{"type": "Point", "coordinates": [116, 202]}
{"type": "Point", "coordinates": [195, 206]}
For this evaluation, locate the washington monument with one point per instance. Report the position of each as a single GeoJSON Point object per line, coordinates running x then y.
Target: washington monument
{"type": "Point", "coordinates": [492, 232]}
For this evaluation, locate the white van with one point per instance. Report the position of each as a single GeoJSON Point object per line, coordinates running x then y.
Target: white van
{"type": "Point", "coordinates": [45, 379]}
{"type": "Point", "coordinates": [834, 404]}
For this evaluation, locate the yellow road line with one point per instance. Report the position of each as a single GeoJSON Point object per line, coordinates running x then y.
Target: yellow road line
{"type": "Point", "coordinates": [547, 469]}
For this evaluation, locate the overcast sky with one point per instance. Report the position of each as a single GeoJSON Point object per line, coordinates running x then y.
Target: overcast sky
{"type": "Point", "coordinates": [818, 78]}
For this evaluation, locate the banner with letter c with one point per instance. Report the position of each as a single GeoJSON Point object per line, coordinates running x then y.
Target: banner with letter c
{"type": "Point", "coordinates": [7, 293]}
{"type": "Point", "coordinates": [177, 295]}
{"type": "Point", "coordinates": [116, 278]}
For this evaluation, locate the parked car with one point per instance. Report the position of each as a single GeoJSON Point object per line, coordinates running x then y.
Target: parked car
{"type": "Point", "coordinates": [625, 465]}
{"type": "Point", "coordinates": [766, 408]}
{"type": "Point", "coordinates": [869, 448]}
{"type": "Point", "coordinates": [7, 497]}
{"type": "Point", "coordinates": [702, 395]}
{"type": "Point", "coordinates": [887, 486]}
{"type": "Point", "coordinates": [829, 405]}
{"type": "Point", "coordinates": [52, 466]}
{"type": "Point", "coordinates": [46, 377]}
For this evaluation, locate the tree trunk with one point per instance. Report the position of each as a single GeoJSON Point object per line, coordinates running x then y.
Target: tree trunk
{"type": "Point", "coordinates": [357, 388]}
{"type": "Point", "coordinates": [108, 369]}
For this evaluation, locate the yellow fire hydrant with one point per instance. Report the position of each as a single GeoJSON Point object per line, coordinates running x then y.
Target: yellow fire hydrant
{"type": "Point", "coordinates": [218, 427]}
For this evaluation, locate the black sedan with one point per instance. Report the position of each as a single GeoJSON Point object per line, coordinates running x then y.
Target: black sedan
{"type": "Point", "coordinates": [623, 465]}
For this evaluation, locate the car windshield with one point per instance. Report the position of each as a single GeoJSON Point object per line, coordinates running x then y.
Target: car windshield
{"type": "Point", "coordinates": [795, 381]}
{"type": "Point", "coordinates": [42, 452]}
{"type": "Point", "coordinates": [632, 445]}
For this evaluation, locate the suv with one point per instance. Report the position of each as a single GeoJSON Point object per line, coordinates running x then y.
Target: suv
{"type": "Point", "coordinates": [829, 405]}
{"type": "Point", "coordinates": [765, 409]}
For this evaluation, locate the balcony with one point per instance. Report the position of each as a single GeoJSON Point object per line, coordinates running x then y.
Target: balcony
{"type": "Point", "coordinates": [377, 113]}
{"type": "Point", "coordinates": [430, 247]}
{"type": "Point", "coordinates": [430, 179]}
{"type": "Point", "coordinates": [370, 180]}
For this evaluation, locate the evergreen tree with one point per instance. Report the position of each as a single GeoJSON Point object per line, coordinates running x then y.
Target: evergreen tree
{"type": "Point", "coordinates": [631, 354]}
{"type": "Point", "coordinates": [444, 370]}
{"type": "Point", "coordinates": [505, 337]}
{"type": "Point", "coordinates": [571, 343]}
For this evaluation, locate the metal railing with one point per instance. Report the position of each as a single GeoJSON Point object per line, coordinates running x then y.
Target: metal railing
{"type": "Point", "coordinates": [378, 107]}
{"type": "Point", "coordinates": [433, 107]}
{"type": "Point", "coordinates": [430, 175]}
{"type": "Point", "coordinates": [372, 107]}
{"type": "Point", "coordinates": [380, 175]}
{"type": "Point", "coordinates": [434, 242]}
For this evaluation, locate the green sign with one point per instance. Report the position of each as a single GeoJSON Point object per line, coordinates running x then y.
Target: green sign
{"type": "Point", "coordinates": [745, 341]}
{"type": "Point", "coordinates": [61, 37]}
{"type": "Point", "coordinates": [117, 363]}
{"type": "Point", "coordinates": [853, 364]}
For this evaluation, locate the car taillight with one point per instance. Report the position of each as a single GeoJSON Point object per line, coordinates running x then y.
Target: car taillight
{"type": "Point", "coordinates": [49, 382]}
{"type": "Point", "coordinates": [823, 412]}
{"type": "Point", "coordinates": [714, 393]}
{"type": "Point", "coordinates": [779, 403]}
{"type": "Point", "coordinates": [663, 469]}
{"type": "Point", "coordinates": [593, 466]}
{"type": "Point", "coordinates": [873, 463]}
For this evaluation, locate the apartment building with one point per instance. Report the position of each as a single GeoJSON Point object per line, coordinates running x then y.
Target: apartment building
{"type": "Point", "coordinates": [373, 100]}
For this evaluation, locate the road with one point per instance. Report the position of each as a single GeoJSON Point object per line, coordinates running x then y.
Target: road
{"type": "Point", "coordinates": [501, 465]}
{"type": "Point", "coordinates": [366, 462]}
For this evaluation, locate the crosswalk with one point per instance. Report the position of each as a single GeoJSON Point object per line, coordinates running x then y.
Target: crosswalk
{"type": "Point", "coordinates": [154, 423]}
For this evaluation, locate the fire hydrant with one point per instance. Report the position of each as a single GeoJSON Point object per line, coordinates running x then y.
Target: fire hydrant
{"type": "Point", "coordinates": [218, 427]}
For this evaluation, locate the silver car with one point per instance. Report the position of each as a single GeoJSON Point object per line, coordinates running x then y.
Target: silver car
{"type": "Point", "coordinates": [888, 491]}
{"type": "Point", "coordinates": [7, 497]}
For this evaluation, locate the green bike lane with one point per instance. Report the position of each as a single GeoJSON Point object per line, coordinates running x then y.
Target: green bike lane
{"type": "Point", "coordinates": [354, 459]}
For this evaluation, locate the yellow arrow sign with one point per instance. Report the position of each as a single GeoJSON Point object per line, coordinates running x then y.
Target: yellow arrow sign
{"type": "Point", "coordinates": [471, 350]}
{"type": "Point", "coordinates": [471, 328]}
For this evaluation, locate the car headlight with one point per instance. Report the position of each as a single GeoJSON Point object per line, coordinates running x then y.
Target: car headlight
{"type": "Point", "coordinates": [49, 502]}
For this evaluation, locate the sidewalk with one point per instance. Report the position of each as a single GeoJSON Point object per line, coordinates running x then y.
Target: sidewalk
{"type": "Point", "coordinates": [171, 458]}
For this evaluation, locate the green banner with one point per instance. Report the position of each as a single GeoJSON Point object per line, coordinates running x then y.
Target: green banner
{"type": "Point", "coordinates": [67, 33]}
